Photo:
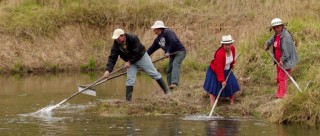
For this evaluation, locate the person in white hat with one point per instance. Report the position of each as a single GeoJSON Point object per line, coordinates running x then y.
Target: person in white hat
{"type": "Point", "coordinates": [129, 48]}
{"type": "Point", "coordinates": [168, 41]}
{"type": "Point", "coordinates": [284, 52]}
{"type": "Point", "coordinates": [220, 66]}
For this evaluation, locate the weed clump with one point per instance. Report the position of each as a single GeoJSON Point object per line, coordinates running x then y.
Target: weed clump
{"type": "Point", "coordinates": [155, 104]}
{"type": "Point", "coordinates": [301, 108]}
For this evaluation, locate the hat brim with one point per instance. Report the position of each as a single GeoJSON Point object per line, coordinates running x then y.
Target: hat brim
{"type": "Point", "coordinates": [226, 42]}
{"type": "Point", "coordinates": [156, 27]}
{"type": "Point", "coordinates": [278, 25]}
{"type": "Point", "coordinates": [115, 37]}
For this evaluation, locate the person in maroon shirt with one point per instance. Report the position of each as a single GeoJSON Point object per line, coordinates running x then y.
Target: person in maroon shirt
{"type": "Point", "coordinates": [284, 52]}
{"type": "Point", "coordinates": [218, 70]}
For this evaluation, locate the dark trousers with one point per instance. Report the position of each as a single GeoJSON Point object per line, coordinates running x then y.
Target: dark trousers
{"type": "Point", "coordinates": [173, 73]}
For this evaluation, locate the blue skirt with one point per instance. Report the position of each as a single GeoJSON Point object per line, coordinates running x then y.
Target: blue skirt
{"type": "Point", "coordinates": [213, 86]}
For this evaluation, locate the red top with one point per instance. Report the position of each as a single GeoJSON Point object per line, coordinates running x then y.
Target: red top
{"type": "Point", "coordinates": [219, 62]}
{"type": "Point", "coordinates": [277, 47]}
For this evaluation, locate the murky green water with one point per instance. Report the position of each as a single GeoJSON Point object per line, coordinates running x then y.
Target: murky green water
{"type": "Point", "coordinates": [20, 96]}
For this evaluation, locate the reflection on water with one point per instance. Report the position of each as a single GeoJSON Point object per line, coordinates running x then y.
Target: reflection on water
{"type": "Point", "coordinates": [23, 98]}
{"type": "Point", "coordinates": [223, 128]}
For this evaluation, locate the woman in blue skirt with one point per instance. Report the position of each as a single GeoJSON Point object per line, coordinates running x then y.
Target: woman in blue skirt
{"type": "Point", "coordinates": [218, 70]}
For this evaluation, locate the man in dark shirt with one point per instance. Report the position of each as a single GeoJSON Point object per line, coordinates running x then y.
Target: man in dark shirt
{"type": "Point", "coordinates": [130, 49]}
{"type": "Point", "coordinates": [169, 42]}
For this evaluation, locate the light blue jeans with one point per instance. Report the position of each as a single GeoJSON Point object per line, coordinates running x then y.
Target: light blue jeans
{"type": "Point", "coordinates": [146, 64]}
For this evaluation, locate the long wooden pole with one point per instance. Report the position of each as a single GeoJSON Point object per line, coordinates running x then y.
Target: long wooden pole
{"type": "Point", "coordinates": [285, 71]}
{"type": "Point", "coordinates": [86, 88]}
{"type": "Point", "coordinates": [99, 81]}
{"type": "Point", "coordinates": [216, 101]}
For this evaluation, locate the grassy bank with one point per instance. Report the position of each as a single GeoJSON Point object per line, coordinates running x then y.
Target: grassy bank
{"type": "Point", "coordinates": [74, 35]}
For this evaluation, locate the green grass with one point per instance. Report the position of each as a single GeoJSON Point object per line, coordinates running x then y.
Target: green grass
{"type": "Point", "coordinates": [18, 68]}
{"type": "Point", "coordinates": [30, 19]}
{"type": "Point", "coordinates": [299, 108]}
{"type": "Point", "coordinates": [90, 66]}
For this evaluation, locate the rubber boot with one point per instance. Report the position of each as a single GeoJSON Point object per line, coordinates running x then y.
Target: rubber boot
{"type": "Point", "coordinates": [129, 90]}
{"type": "Point", "coordinates": [163, 86]}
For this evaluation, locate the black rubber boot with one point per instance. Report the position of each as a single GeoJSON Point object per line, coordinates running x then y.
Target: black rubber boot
{"type": "Point", "coordinates": [163, 86]}
{"type": "Point", "coordinates": [129, 90]}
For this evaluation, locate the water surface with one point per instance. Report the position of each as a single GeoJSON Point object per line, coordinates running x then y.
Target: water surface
{"type": "Point", "coordinates": [21, 96]}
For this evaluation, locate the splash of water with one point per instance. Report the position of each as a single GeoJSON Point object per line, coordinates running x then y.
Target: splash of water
{"type": "Point", "coordinates": [202, 117]}
{"type": "Point", "coordinates": [45, 112]}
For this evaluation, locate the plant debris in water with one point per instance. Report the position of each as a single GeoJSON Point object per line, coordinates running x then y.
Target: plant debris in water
{"type": "Point", "coordinates": [156, 103]}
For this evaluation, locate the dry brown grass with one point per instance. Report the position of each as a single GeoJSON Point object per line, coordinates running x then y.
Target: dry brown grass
{"type": "Point", "coordinates": [199, 27]}
{"type": "Point", "coordinates": [184, 100]}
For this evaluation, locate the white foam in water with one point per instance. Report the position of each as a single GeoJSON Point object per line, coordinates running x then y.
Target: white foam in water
{"type": "Point", "coordinates": [46, 113]}
{"type": "Point", "coordinates": [46, 110]}
{"type": "Point", "coordinates": [42, 113]}
{"type": "Point", "coordinates": [202, 117]}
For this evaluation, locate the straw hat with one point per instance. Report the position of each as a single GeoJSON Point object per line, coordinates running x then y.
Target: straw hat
{"type": "Point", "coordinates": [158, 24]}
{"type": "Point", "coordinates": [117, 33]}
{"type": "Point", "coordinates": [276, 22]}
{"type": "Point", "coordinates": [226, 39]}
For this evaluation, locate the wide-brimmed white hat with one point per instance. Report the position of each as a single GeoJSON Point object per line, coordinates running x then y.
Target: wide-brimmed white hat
{"type": "Point", "coordinates": [226, 39]}
{"type": "Point", "coordinates": [276, 22]}
{"type": "Point", "coordinates": [117, 33]}
{"type": "Point", "coordinates": [158, 24]}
